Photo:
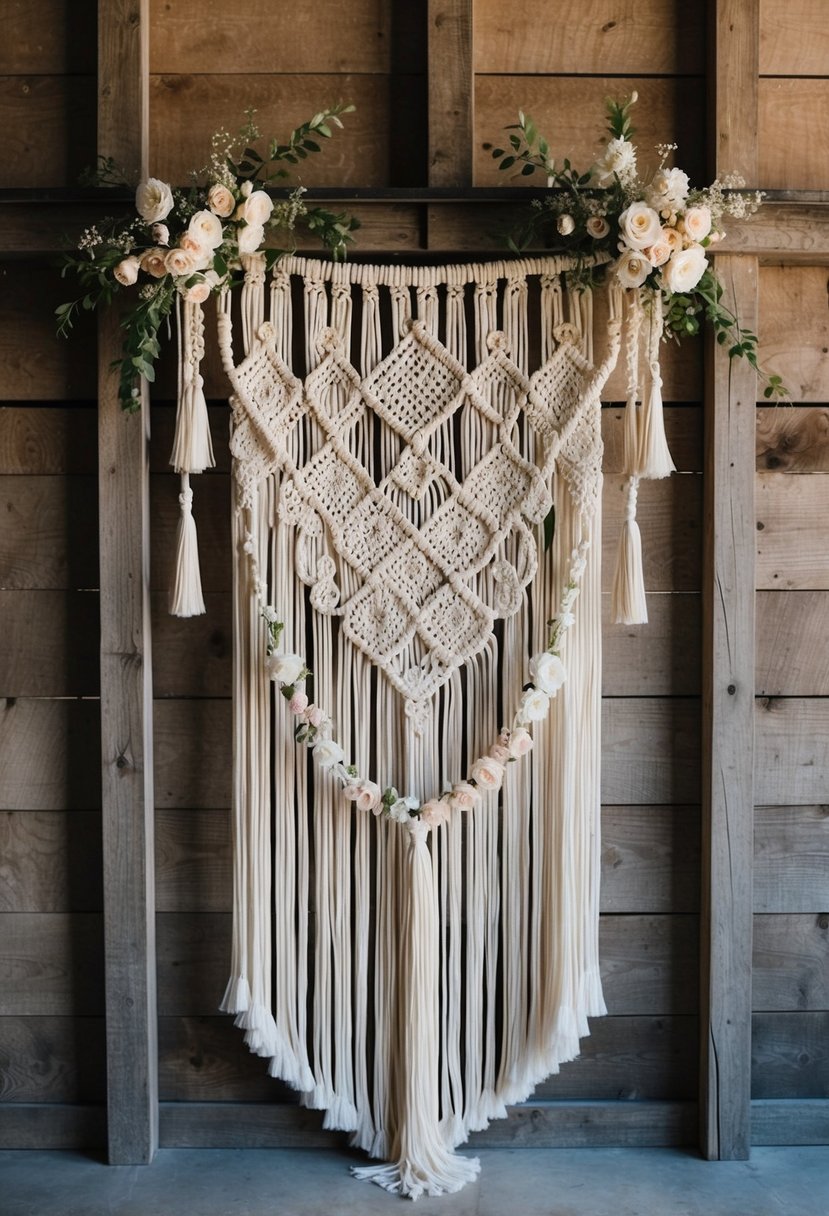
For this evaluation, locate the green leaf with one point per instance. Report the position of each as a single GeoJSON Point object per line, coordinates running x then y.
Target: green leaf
{"type": "Point", "coordinates": [507, 162]}
{"type": "Point", "coordinates": [527, 170]}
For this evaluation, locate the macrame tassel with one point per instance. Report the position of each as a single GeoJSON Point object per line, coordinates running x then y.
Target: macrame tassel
{"type": "Point", "coordinates": [187, 598]}
{"type": "Point", "coordinates": [425, 1164]}
{"type": "Point", "coordinates": [654, 458]}
{"type": "Point", "coordinates": [628, 604]}
{"type": "Point", "coordinates": [192, 446]}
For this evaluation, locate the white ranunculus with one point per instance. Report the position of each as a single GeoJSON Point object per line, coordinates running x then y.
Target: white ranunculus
{"type": "Point", "coordinates": [685, 269]}
{"type": "Point", "coordinates": [257, 207]}
{"type": "Point", "coordinates": [327, 752]}
{"type": "Point", "coordinates": [250, 238]}
{"type": "Point", "coordinates": [126, 272]}
{"type": "Point", "coordinates": [696, 223]}
{"type": "Point", "coordinates": [207, 229]}
{"type": "Point", "coordinates": [633, 268]}
{"type": "Point", "coordinates": [534, 706]}
{"type": "Point", "coordinates": [286, 668]}
{"type": "Point", "coordinates": [639, 226]}
{"type": "Point", "coordinates": [547, 671]}
{"type": "Point", "coordinates": [153, 200]}
{"type": "Point", "coordinates": [565, 225]}
{"type": "Point", "coordinates": [619, 160]}
{"type": "Point", "coordinates": [598, 227]}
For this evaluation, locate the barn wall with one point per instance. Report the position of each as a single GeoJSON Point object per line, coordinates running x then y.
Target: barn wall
{"type": "Point", "coordinates": [204, 73]}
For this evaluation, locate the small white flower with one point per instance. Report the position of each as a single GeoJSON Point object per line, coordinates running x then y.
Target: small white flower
{"type": "Point", "coordinates": [619, 160]}
{"type": "Point", "coordinates": [402, 808]}
{"type": "Point", "coordinates": [534, 706]}
{"type": "Point", "coordinates": [270, 614]}
{"type": "Point", "coordinates": [250, 238]}
{"type": "Point", "coordinates": [668, 190]}
{"type": "Point", "coordinates": [126, 272]}
{"type": "Point", "coordinates": [286, 668]}
{"type": "Point", "coordinates": [565, 224]}
{"type": "Point", "coordinates": [161, 234]}
{"type": "Point", "coordinates": [153, 200]}
{"type": "Point", "coordinates": [569, 598]}
{"type": "Point", "coordinates": [562, 620]}
{"type": "Point", "coordinates": [547, 671]}
{"type": "Point", "coordinates": [327, 752]}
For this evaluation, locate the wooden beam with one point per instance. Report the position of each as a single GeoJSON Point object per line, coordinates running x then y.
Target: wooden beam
{"type": "Point", "coordinates": [728, 629]}
{"type": "Point", "coordinates": [451, 93]}
{"type": "Point", "coordinates": [126, 679]}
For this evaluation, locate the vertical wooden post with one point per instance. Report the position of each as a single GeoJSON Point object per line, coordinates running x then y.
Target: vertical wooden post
{"type": "Point", "coordinates": [126, 667]}
{"type": "Point", "coordinates": [728, 630]}
{"type": "Point", "coordinates": [451, 93]}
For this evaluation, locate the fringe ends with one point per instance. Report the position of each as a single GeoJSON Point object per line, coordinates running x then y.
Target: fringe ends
{"type": "Point", "coordinates": [435, 1171]}
{"type": "Point", "coordinates": [654, 460]}
{"type": "Point", "coordinates": [628, 603]}
{"type": "Point", "coordinates": [186, 598]}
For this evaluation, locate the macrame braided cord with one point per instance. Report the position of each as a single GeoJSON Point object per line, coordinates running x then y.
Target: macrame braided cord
{"type": "Point", "coordinates": [403, 439]}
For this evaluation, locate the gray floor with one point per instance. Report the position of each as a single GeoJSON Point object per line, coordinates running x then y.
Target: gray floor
{"type": "Point", "coordinates": [513, 1182]}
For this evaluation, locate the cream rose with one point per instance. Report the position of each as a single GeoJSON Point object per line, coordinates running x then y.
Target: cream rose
{"type": "Point", "coordinates": [685, 269]}
{"type": "Point", "coordinates": [658, 253]}
{"type": "Point", "coordinates": [534, 706]}
{"type": "Point", "coordinates": [488, 773]}
{"type": "Point", "coordinates": [365, 795]}
{"type": "Point", "coordinates": [286, 668]}
{"type": "Point", "coordinates": [153, 200]}
{"type": "Point", "coordinates": [250, 238]}
{"type": "Point", "coordinates": [327, 753]}
{"type": "Point", "coordinates": [633, 268]}
{"type": "Point", "coordinates": [547, 671]}
{"type": "Point", "coordinates": [565, 225]}
{"type": "Point", "coordinates": [126, 272]}
{"type": "Point", "coordinates": [257, 208]}
{"type": "Point", "coordinates": [153, 263]}
{"type": "Point", "coordinates": [161, 234]}
{"type": "Point", "coordinates": [202, 256]}
{"type": "Point", "coordinates": [672, 238]}
{"type": "Point", "coordinates": [696, 223]}
{"type": "Point", "coordinates": [198, 293]}
{"type": "Point", "coordinates": [207, 229]}
{"type": "Point", "coordinates": [639, 226]}
{"type": "Point", "coordinates": [435, 812]}
{"type": "Point", "coordinates": [464, 797]}
{"type": "Point", "coordinates": [180, 262]}
{"type": "Point", "coordinates": [521, 742]}
{"type": "Point", "coordinates": [220, 200]}
{"type": "Point", "coordinates": [598, 227]}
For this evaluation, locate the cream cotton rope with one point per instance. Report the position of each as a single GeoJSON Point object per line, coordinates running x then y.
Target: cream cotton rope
{"type": "Point", "coordinates": [415, 940]}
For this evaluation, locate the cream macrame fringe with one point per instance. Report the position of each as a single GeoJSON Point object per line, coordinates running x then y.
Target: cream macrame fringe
{"type": "Point", "coordinates": [413, 984]}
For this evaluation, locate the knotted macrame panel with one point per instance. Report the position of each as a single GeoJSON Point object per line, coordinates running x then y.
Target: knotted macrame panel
{"type": "Point", "coordinates": [405, 442]}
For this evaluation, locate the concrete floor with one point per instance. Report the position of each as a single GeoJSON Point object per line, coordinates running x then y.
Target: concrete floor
{"type": "Point", "coordinates": [513, 1182]}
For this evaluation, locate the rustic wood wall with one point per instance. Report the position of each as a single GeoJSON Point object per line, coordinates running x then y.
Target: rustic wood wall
{"type": "Point", "coordinates": [639, 1071]}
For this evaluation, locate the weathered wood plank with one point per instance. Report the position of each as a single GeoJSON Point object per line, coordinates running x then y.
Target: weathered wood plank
{"type": "Point", "coordinates": [782, 234]}
{"type": "Point", "coordinates": [192, 656]}
{"type": "Point", "coordinates": [791, 962]}
{"type": "Point", "coordinates": [451, 92]}
{"type": "Point", "coordinates": [794, 440]}
{"type": "Point", "coordinates": [211, 511]}
{"type": "Point", "coordinates": [570, 110]}
{"type": "Point", "coordinates": [792, 532]}
{"type": "Point", "coordinates": [48, 129]}
{"type": "Point", "coordinates": [800, 1121]}
{"type": "Point", "coordinates": [48, 439]}
{"type": "Point", "coordinates": [661, 659]}
{"type": "Point", "coordinates": [650, 859]}
{"type": "Point", "coordinates": [204, 1059]}
{"type": "Point", "coordinates": [49, 755]}
{"type": "Point", "coordinates": [650, 750]}
{"type": "Point", "coordinates": [51, 1125]}
{"type": "Point", "coordinates": [50, 861]}
{"type": "Point", "coordinates": [38, 36]}
{"type": "Point", "coordinates": [792, 658]}
{"type": "Point", "coordinates": [683, 430]}
{"type": "Point", "coordinates": [52, 1059]}
{"type": "Point", "coordinates": [192, 753]}
{"type": "Point", "coordinates": [794, 41]}
{"type": "Point", "coordinates": [245, 38]}
{"type": "Point", "coordinates": [794, 330]}
{"type": "Point", "coordinates": [49, 535]}
{"type": "Point", "coordinates": [51, 963]}
{"type": "Point", "coordinates": [35, 365]}
{"type": "Point", "coordinates": [790, 1055]}
{"type": "Point", "coordinates": [193, 861]}
{"type": "Point", "coordinates": [49, 643]}
{"type": "Point", "coordinates": [792, 749]}
{"type": "Point", "coordinates": [601, 36]}
{"type": "Point", "coordinates": [793, 121]}
{"type": "Point", "coordinates": [186, 109]}
{"type": "Point", "coordinates": [791, 858]}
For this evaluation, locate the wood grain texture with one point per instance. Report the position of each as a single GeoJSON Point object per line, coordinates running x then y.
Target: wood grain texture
{"type": "Point", "coordinates": [48, 439]}
{"type": "Point", "coordinates": [793, 121]}
{"type": "Point", "coordinates": [51, 963]}
{"type": "Point", "coordinates": [794, 328]}
{"type": "Point", "coordinates": [193, 861]}
{"type": "Point", "coordinates": [792, 658]}
{"type": "Point", "coordinates": [798, 1121]}
{"type": "Point", "coordinates": [204, 1059]}
{"type": "Point", "coordinates": [600, 36]}
{"type": "Point", "coordinates": [791, 962]}
{"type": "Point", "coordinates": [650, 859]}
{"type": "Point", "coordinates": [48, 133]}
{"type": "Point", "coordinates": [794, 41]}
{"type": "Point", "coordinates": [661, 658]}
{"type": "Point", "coordinates": [790, 1055]}
{"type": "Point", "coordinates": [782, 233]}
{"type": "Point", "coordinates": [49, 755]}
{"type": "Point", "coordinates": [792, 533]}
{"type": "Point", "coordinates": [186, 109]}
{"type": "Point", "coordinates": [650, 750]}
{"type": "Point", "coordinates": [248, 38]}
{"type": "Point", "coordinates": [451, 92]}
{"type": "Point", "coordinates": [36, 365]}
{"type": "Point", "coordinates": [54, 36]}
{"type": "Point", "coordinates": [50, 861]}
{"type": "Point", "coordinates": [52, 1059]}
{"type": "Point", "coordinates": [192, 656]}
{"type": "Point", "coordinates": [570, 111]}
{"type": "Point", "coordinates": [734, 53]}
{"type": "Point", "coordinates": [792, 750]}
{"type": "Point", "coordinates": [52, 1125]}
{"type": "Point", "coordinates": [793, 440]}
{"type": "Point", "coordinates": [192, 753]}
{"type": "Point", "coordinates": [49, 535]}
{"type": "Point", "coordinates": [791, 858]}
{"type": "Point", "coordinates": [49, 643]}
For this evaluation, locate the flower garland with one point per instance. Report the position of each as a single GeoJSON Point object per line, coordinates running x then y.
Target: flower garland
{"type": "Point", "coordinates": [189, 244]}
{"type": "Point", "coordinates": [315, 727]}
{"type": "Point", "coordinates": [657, 229]}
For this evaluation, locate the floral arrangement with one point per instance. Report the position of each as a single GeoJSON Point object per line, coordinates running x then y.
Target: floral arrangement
{"type": "Point", "coordinates": [315, 728]}
{"type": "Point", "coordinates": [656, 229]}
{"type": "Point", "coordinates": [189, 243]}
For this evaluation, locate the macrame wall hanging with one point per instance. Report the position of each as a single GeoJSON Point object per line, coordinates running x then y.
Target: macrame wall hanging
{"type": "Point", "coordinates": [417, 522]}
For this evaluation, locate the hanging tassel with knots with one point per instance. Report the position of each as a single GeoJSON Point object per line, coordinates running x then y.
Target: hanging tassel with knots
{"type": "Point", "coordinates": [654, 459]}
{"type": "Point", "coordinates": [628, 603]}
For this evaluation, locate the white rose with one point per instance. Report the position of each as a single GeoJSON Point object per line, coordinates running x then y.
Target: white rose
{"type": "Point", "coordinates": [153, 200]}
{"type": "Point", "coordinates": [161, 234]}
{"type": "Point", "coordinates": [639, 225]}
{"type": "Point", "coordinates": [521, 742]}
{"type": "Point", "coordinates": [207, 229]}
{"type": "Point", "coordinates": [250, 238]}
{"type": "Point", "coordinates": [220, 200]}
{"type": "Point", "coordinates": [685, 269]}
{"type": "Point", "coordinates": [565, 224]}
{"type": "Point", "coordinates": [126, 272]}
{"type": "Point", "coordinates": [488, 773]}
{"type": "Point", "coordinates": [534, 706]}
{"type": "Point", "coordinates": [327, 753]}
{"type": "Point", "coordinates": [633, 268]}
{"type": "Point", "coordinates": [598, 227]}
{"type": "Point", "coordinates": [619, 160]}
{"type": "Point", "coordinates": [257, 208]}
{"type": "Point", "coordinates": [547, 671]}
{"type": "Point", "coordinates": [696, 223]}
{"type": "Point", "coordinates": [180, 262]}
{"type": "Point", "coordinates": [286, 668]}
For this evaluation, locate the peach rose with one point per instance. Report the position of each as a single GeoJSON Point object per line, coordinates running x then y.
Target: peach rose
{"type": "Point", "coordinates": [598, 227]}
{"type": "Point", "coordinates": [180, 262]}
{"type": "Point", "coordinates": [198, 292]}
{"type": "Point", "coordinates": [153, 263]}
{"type": "Point", "coordinates": [435, 812]}
{"type": "Point", "coordinates": [521, 742]}
{"type": "Point", "coordinates": [299, 701]}
{"type": "Point", "coordinates": [696, 223]}
{"type": "Point", "coordinates": [488, 773]}
{"type": "Point", "coordinates": [464, 797]}
{"type": "Point", "coordinates": [220, 200]}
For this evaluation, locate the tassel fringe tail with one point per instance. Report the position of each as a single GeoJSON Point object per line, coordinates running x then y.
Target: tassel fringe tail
{"type": "Point", "coordinates": [186, 598]}
{"type": "Point", "coordinates": [426, 1163]}
{"type": "Point", "coordinates": [628, 603]}
{"type": "Point", "coordinates": [654, 459]}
